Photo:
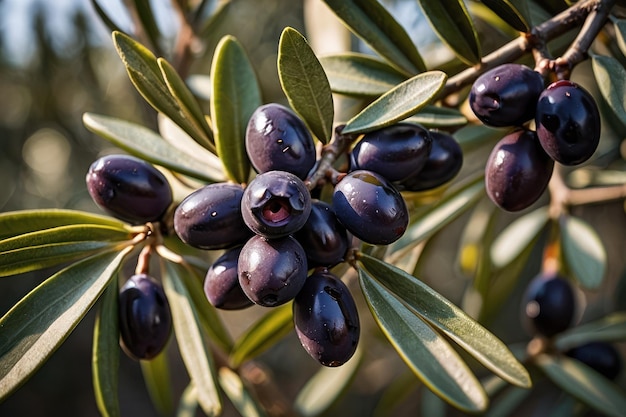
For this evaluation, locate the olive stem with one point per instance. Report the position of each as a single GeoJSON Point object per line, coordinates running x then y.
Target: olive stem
{"type": "Point", "coordinates": [143, 261]}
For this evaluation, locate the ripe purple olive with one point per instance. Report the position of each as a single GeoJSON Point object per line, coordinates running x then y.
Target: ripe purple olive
{"type": "Point", "coordinates": [444, 162]}
{"type": "Point", "coordinates": [395, 152]}
{"type": "Point", "coordinates": [278, 140]}
{"type": "Point", "coordinates": [144, 317]}
{"type": "Point", "coordinates": [600, 356]}
{"type": "Point", "coordinates": [326, 319]}
{"type": "Point", "coordinates": [517, 171]}
{"type": "Point", "coordinates": [549, 305]}
{"type": "Point", "coordinates": [210, 217]}
{"type": "Point", "coordinates": [272, 271]}
{"type": "Point", "coordinates": [506, 95]}
{"type": "Point", "coordinates": [370, 207]}
{"type": "Point", "coordinates": [129, 188]}
{"type": "Point", "coordinates": [221, 284]}
{"type": "Point", "coordinates": [568, 122]}
{"type": "Point", "coordinates": [275, 204]}
{"type": "Point", "coordinates": [324, 239]}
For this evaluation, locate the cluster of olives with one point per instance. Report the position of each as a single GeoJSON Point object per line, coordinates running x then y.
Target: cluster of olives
{"type": "Point", "coordinates": [549, 308]}
{"type": "Point", "coordinates": [567, 130]}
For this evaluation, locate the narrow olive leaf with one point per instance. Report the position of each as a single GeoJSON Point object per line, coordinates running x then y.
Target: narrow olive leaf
{"type": "Point", "coordinates": [146, 144]}
{"type": "Point", "coordinates": [13, 223]}
{"type": "Point", "coordinates": [235, 94]}
{"type": "Point", "coordinates": [435, 116]}
{"type": "Point", "coordinates": [304, 82]}
{"type": "Point", "coordinates": [188, 403]}
{"type": "Point", "coordinates": [148, 22]}
{"type": "Point", "coordinates": [37, 325]}
{"type": "Point", "coordinates": [611, 328]}
{"type": "Point", "coordinates": [262, 335]}
{"type": "Point", "coordinates": [450, 319]}
{"type": "Point", "coordinates": [508, 402]}
{"type": "Point", "coordinates": [195, 353]}
{"type": "Point", "coordinates": [238, 394]}
{"type": "Point", "coordinates": [156, 376]}
{"type": "Point", "coordinates": [426, 352]}
{"type": "Point", "coordinates": [453, 24]}
{"type": "Point", "coordinates": [583, 251]}
{"type": "Point", "coordinates": [105, 357]}
{"type": "Point", "coordinates": [371, 22]}
{"type": "Point", "coordinates": [516, 237]}
{"type": "Point", "coordinates": [584, 383]}
{"type": "Point", "coordinates": [398, 103]}
{"type": "Point", "coordinates": [474, 136]}
{"type": "Point", "coordinates": [106, 19]}
{"type": "Point", "coordinates": [611, 78]}
{"type": "Point", "coordinates": [513, 12]}
{"type": "Point", "coordinates": [620, 34]}
{"type": "Point", "coordinates": [324, 388]}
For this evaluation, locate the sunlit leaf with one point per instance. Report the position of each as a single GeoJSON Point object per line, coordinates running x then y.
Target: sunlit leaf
{"type": "Point", "coordinates": [370, 21]}
{"type": "Point", "coordinates": [517, 236]}
{"type": "Point", "coordinates": [263, 334]}
{"type": "Point", "coordinates": [325, 387]}
{"type": "Point", "coordinates": [106, 353]}
{"type": "Point", "coordinates": [356, 74]}
{"type": "Point", "coordinates": [147, 144]}
{"type": "Point", "coordinates": [238, 394]}
{"type": "Point", "coordinates": [611, 328]}
{"type": "Point", "coordinates": [193, 350]}
{"type": "Point", "coordinates": [583, 251]}
{"type": "Point", "coordinates": [427, 353]}
{"type": "Point", "coordinates": [156, 375]}
{"type": "Point", "coordinates": [452, 22]}
{"type": "Point", "coordinates": [188, 403]}
{"type": "Point", "coordinates": [450, 319]}
{"type": "Point", "coordinates": [514, 12]}
{"type": "Point", "coordinates": [235, 96]}
{"type": "Point", "coordinates": [35, 327]}
{"type": "Point", "coordinates": [584, 383]}
{"type": "Point", "coordinates": [435, 116]}
{"type": "Point", "coordinates": [398, 103]}
{"type": "Point", "coordinates": [305, 84]}
{"type": "Point", "coordinates": [611, 79]}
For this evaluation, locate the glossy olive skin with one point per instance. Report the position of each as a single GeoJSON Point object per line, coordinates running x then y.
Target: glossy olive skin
{"type": "Point", "coordinates": [549, 305]}
{"type": "Point", "coordinates": [324, 239]}
{"type": "Point", "coordinates": [210, 217]}
{"type": "Point", "coordinates": [506, 95]}
{"type": "Point", "coordinates": [145, 320]}
{"type": "Point", "coordinates": [221, 283]}
{"type": "Point", "coordinates": [326, 319]}
{"type": "Point", "coordinates": [129, 188]}
{"type": "Point", "coordinates": [568, 122]}
{"type": "Point", "coordinates": [600, 356]}
{"type": "Point", "coordinates": [275, 204]}
{"type": "Point", "coordinates": [444, 162]}
{"type": "Point", "coordinates": [278, 140]}
{"type": "Point", "coordinates": [370, 207]}
{"type": "Point", "coordinates": [395, 152]}
{"type": "Point", "coordinates": [517, 171]}
{"type": "Point", "coordinates": [272, 271]}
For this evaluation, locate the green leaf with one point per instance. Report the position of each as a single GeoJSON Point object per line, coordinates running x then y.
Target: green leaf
{"type": "Point", "coordinates": [620, 34]}
{"type": "Point", "coordinates": [514, 12]}
{"type": "Point", "coordinates": [474, 136]}
{"type": "Point", "coordinates": [450, 319]}
{"type": "Point", "coordinates": [398, 103]}
{"type": "Point", "coordinates": [516, 237]}
{"type": "Point", "coordinates": [188, 404]}
{"type": "Point", "coordinates": [371, 22]}
{"type": "Point", "coordinates": [435, 116]}
{"type": "Point", "coordinates": [426, 352]}
{"type": "Point", "coordinates": [323, 389]}
{"type": "Point", "coordinates": [304, 82]}
{"type": "Point", "coordinates": [508, 402]}
{"type": "Point", "coordinates": [611, 328]}
{"type": "Point", "coordinates": [145, 74]}
{"type": "Point", "coordinates": [235, 96]}
{"type": "Point", "coordinates": [148, 22]}
{"type": "Point", "coordinates": [359, 75]}
{"type": "Point", "coordinates": [238, 394]}
{"type": "Point", "coordinates": [195, 353]}
{"type": "Point", "coordinates": [611, 78]}
{"type": "Point", "coordinates": [156, 375]}
{"type": "Point", "coordinates": [13, 223]}
{"type": "Point", "coordinates": [583, 251]}
{"type": "Point", "coordinates": [146, 144]}
{"type": "Point", "coordinates": [37, 325]}
{"type": "Point", "coordinates": [452, 22]}
{"type": "Point", "coordinates": [263, 334]}
{"type": "Point", "coordinates": [106, 353]}
{"type": "Point", "coordinates": [584, 383]}
{"type": "Point", "coordinates": [104, 16]}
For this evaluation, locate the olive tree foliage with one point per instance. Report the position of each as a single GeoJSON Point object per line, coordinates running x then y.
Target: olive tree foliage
{"type": "Point", "coordinates": [447, 346]}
